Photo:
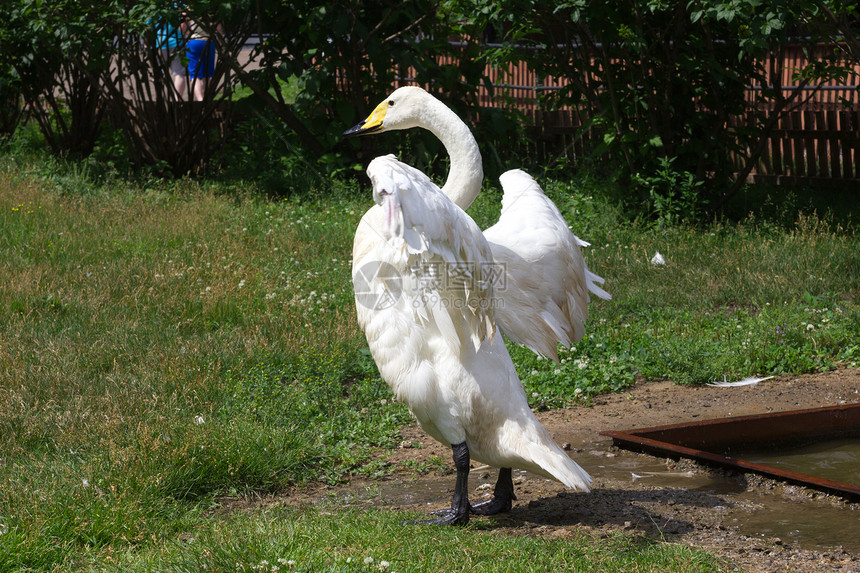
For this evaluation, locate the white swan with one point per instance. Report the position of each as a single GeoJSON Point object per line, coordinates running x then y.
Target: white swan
{"type": "Point", "coordinates": [424, 298]}
{"type": "Point", "coordinates": [546, 281]}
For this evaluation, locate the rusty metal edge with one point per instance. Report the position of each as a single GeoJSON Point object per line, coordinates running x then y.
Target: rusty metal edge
{"type": "Point", "coordinates": [632, 439]}
{"type": "Point", "coordinates": [735, 419]}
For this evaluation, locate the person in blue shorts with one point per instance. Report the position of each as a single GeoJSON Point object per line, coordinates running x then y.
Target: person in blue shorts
{"type": "Point", "coordinates": [200, 50]}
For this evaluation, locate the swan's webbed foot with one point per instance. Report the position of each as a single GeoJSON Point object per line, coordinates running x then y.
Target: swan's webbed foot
{"type": "Point", "coordinates": [503, 496]}
{"type": "Point", "coordinates": [447, 517]}
{"type": "Point", "coordinates": [458, 514]}
{"type": "Point", "coordinates": [493, 506]}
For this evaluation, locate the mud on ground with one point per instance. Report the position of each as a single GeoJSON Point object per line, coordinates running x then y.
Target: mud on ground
{"type": "Point", "coordinates": [755, 523]}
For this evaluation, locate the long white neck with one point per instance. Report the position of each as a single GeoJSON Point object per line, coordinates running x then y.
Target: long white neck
{"type": "Point", "coordinates": [467, 171]}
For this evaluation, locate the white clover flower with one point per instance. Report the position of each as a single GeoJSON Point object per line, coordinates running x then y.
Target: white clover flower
{"type": "Point", "coordinates": [85, 482]}
{"type": "Point", "coordinates": [384, 565]}
{"type": "Point", "coordinates": [242, 283]}
{"type": "Point", "coordinates": [368, 560]}
{"type": "Point", "coordinates": [810, 327]}
{"type": "Point", "coordinates": [199, 420]}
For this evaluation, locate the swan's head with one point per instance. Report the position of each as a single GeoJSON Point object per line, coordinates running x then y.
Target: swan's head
{"type": "Point", "coordinates": [401, 110]}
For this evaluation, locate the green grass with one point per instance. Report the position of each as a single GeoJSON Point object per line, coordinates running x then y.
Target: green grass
{"type": "Point", "coordinates": [286, 539]}
{"type": "Point", "coordinates": [166, 343]}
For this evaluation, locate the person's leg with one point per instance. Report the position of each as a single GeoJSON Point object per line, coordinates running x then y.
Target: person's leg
{"type": "Point", "coordinates": [179, 74]}
{"type": "Point", "coordinates": [199, 88]}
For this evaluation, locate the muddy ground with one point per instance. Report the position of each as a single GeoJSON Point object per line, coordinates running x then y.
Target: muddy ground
{"type": "Point", "coordinates": [754, 523]}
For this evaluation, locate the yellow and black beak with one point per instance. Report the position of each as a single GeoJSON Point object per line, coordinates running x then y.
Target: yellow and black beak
{"type": "Point", "coordinates": [372, 124]}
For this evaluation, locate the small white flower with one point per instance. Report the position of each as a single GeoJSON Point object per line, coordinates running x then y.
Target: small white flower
{"type": "Point", "coordinates": [199, 420]}
{"type": "Point", "coordinates": [384, 565]}
{"type": "Point", "coordinates": [368, 560]}
{"type": "Point", "coordinates": [242, 283]}
{"type": "Point", "coordinates": [658, 259]}
{"type": "Point", "coordinates": [810, 327]}
{"type": "Point", "coordinates": [85, 482]}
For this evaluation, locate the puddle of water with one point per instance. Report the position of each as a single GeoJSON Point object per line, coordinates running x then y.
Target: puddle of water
{"type": "Point", "coordinates": [808, 525]}
{"type": "Point", "coordinates": [654, 472]}
{"type": "Point", "coordinates": [836, 460]}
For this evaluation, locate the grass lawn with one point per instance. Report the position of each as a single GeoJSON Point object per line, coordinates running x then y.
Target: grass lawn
{"type": "Point", "coordinates": [163, 344]}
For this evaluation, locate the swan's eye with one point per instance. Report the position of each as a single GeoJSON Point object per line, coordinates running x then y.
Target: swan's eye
{"type": "Point", "coordinates": [390, 103]}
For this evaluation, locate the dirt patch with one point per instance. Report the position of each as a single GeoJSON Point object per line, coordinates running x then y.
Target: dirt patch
{"type": "Point", "coordinates": [756, 523]}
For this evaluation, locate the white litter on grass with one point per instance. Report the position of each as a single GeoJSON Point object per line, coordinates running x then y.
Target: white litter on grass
{"type": "Point", "coordinates": [750, 381]}
{"type": "Point", "coordinates": [658, 259]}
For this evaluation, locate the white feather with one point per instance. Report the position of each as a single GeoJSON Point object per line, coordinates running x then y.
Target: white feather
{"type": "Point", "coordinates": [750, 381]}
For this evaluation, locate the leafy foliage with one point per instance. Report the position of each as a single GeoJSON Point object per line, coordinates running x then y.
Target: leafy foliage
{"type": "Point", "coordinates": [665, 79]}
{"type": "Point", "coordinates": [58, 50]}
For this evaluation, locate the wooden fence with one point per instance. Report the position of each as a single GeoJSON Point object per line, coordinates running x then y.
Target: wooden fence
{"type": "Point", "coordinates": [818, 140]}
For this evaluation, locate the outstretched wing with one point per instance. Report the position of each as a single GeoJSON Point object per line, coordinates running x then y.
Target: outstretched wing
{"type": "Point", "coordinates": [445, 261]}
{"type": "Point", "coordinates": [546, 281]}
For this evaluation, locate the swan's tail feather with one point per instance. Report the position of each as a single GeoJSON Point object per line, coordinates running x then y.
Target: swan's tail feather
{"type": "Point", "coordinates": [533, 449]}
{"type": "Point", "coordinates": [560, 467]}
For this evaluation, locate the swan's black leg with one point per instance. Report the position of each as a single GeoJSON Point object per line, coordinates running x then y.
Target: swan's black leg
{"type": "Point", "coordinates": [503, 496]}
{"type": "Point", "coordinates": [459, 512]}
